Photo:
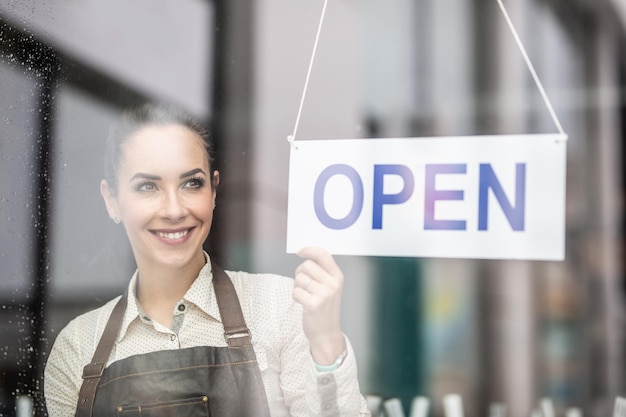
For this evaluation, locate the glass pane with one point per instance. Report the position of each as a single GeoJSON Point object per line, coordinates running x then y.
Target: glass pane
{"type": "Point", "coordinates": [85, 248]}
{"type": "Point", "coordinates": [18, 170]}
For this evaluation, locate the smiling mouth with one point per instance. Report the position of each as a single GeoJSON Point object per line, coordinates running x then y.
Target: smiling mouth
{"type": "Point", "coordinates": [173, 235]}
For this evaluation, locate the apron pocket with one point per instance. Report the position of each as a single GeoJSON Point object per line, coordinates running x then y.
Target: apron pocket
{"type": "Point", "coordinates": [192, 407]}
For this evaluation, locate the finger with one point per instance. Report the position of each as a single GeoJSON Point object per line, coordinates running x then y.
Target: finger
{"type": "Point", "coordinates": [323, 281]}
{"type": "Point", "coordinates": [308, 300]}
{"type": "Point", "coordinates": [311, 268]}
{"type": "Point", "coordinates": [304, 281]}
{"type": "Point", "coordinates": [322, 257]}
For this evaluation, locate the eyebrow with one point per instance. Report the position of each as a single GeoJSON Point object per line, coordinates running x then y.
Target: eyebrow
{"type": "Point", "coordinates": [192, 172]}
{"type": "Point", "coordinates": [144, 176]}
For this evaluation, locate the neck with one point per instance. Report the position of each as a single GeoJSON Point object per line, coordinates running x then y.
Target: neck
{"type": "Point", "coordinates": [160, 287]}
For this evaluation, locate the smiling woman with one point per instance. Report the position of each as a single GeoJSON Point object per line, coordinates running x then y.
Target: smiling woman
{"type": "Point", "coordinates": [180, 338]}
{"type": "Point", "coordinates": [164, 195]}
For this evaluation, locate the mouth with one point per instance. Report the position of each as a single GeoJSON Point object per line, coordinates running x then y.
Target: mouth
{"type": "Point", "coordinates": [173, 236]}
{"type": "Point", "coordinates": [176, 235]}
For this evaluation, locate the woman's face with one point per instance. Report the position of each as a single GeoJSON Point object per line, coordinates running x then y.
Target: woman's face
{"type": "Point", "coordinates": [164, 197]}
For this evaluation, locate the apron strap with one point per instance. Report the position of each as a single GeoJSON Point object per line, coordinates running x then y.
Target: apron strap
{"type": "Point", "coordinates": [236, 332]}
{"type": "Point", "coordinates": [92, 372]}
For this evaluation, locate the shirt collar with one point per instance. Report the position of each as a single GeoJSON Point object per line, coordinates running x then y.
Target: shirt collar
{"type": "Point", "coordinates": [200, 293]}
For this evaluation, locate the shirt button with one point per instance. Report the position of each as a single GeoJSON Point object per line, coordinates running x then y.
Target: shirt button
{"type": "Point", "coordinates": [325, 380]}
{"type": "Point", "coordinates": [328, 406]}
{"type": "Point", "coordinates": [181, 307]}
{"type": "Point", "coordinates": [173, 337]}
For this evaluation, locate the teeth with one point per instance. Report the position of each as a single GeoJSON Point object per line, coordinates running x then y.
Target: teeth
{"type": "Point", "coordinates": [176, 235]}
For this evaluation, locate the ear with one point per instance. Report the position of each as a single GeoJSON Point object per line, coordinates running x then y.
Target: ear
{"type": "Point", "coordinates": [216, 180]}
{"type": "Point", "coordinates": [110, 200]}
{"type": "Point", "coordinates": [214, 185]}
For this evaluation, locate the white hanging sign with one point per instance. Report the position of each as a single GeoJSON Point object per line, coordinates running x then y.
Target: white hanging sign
{"type": "Point", "coordinates": [491, 197]}
{"type": "Point", "coordinates": [485, 197]}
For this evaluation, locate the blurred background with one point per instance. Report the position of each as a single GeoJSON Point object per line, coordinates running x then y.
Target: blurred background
{"type": "Point", "coordinates": [511, 332]}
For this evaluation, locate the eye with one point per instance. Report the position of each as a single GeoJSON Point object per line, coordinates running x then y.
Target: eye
{"type": "Point", "coordinates": [146, 187]}
{"type": "Point", "coordinates": [194, 183]}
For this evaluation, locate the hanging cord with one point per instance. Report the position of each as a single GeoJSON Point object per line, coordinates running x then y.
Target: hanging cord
{"type": "Point", "coordinates": [555, 119]}
{"type": "Point", "coordinates": [291, 138]}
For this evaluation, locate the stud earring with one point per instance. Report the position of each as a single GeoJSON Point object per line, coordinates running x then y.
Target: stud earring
{"type": "Point", "coordinates": [116, 220]}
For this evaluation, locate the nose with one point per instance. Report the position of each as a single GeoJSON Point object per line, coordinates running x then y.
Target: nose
{"type": "Point", "coordinates": [173, 207]}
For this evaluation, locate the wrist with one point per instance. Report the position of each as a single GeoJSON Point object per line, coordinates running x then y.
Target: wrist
{"type": "Point", "coordinates": [325, 352]}
{"type": "Point", "coordinates": [334, 366]}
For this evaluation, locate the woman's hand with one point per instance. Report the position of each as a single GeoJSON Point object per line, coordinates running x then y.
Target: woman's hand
{"type": "Point", "coordinates": [318, 287]}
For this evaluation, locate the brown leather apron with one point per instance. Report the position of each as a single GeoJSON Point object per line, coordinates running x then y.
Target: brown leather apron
{"type": "Point", "coordinates": [198, 381]}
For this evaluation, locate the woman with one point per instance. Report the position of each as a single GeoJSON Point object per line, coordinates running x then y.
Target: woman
{"type": "Point", "coordinates": [186, 338]}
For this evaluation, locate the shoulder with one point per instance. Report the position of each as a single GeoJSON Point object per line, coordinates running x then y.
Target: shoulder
{"type": "Point", "coordinates": [265, 283]}
{"type": "Point", "coordinates": [80, 336]}
{"type": "Point", "coordinates": [269, 309]}
{"type": "Point", "coordinates": [73, 348]}
{"type": "Point", "coordinates": [92, 317]}
{"type": "Point", "coordinates": [266, 294]}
